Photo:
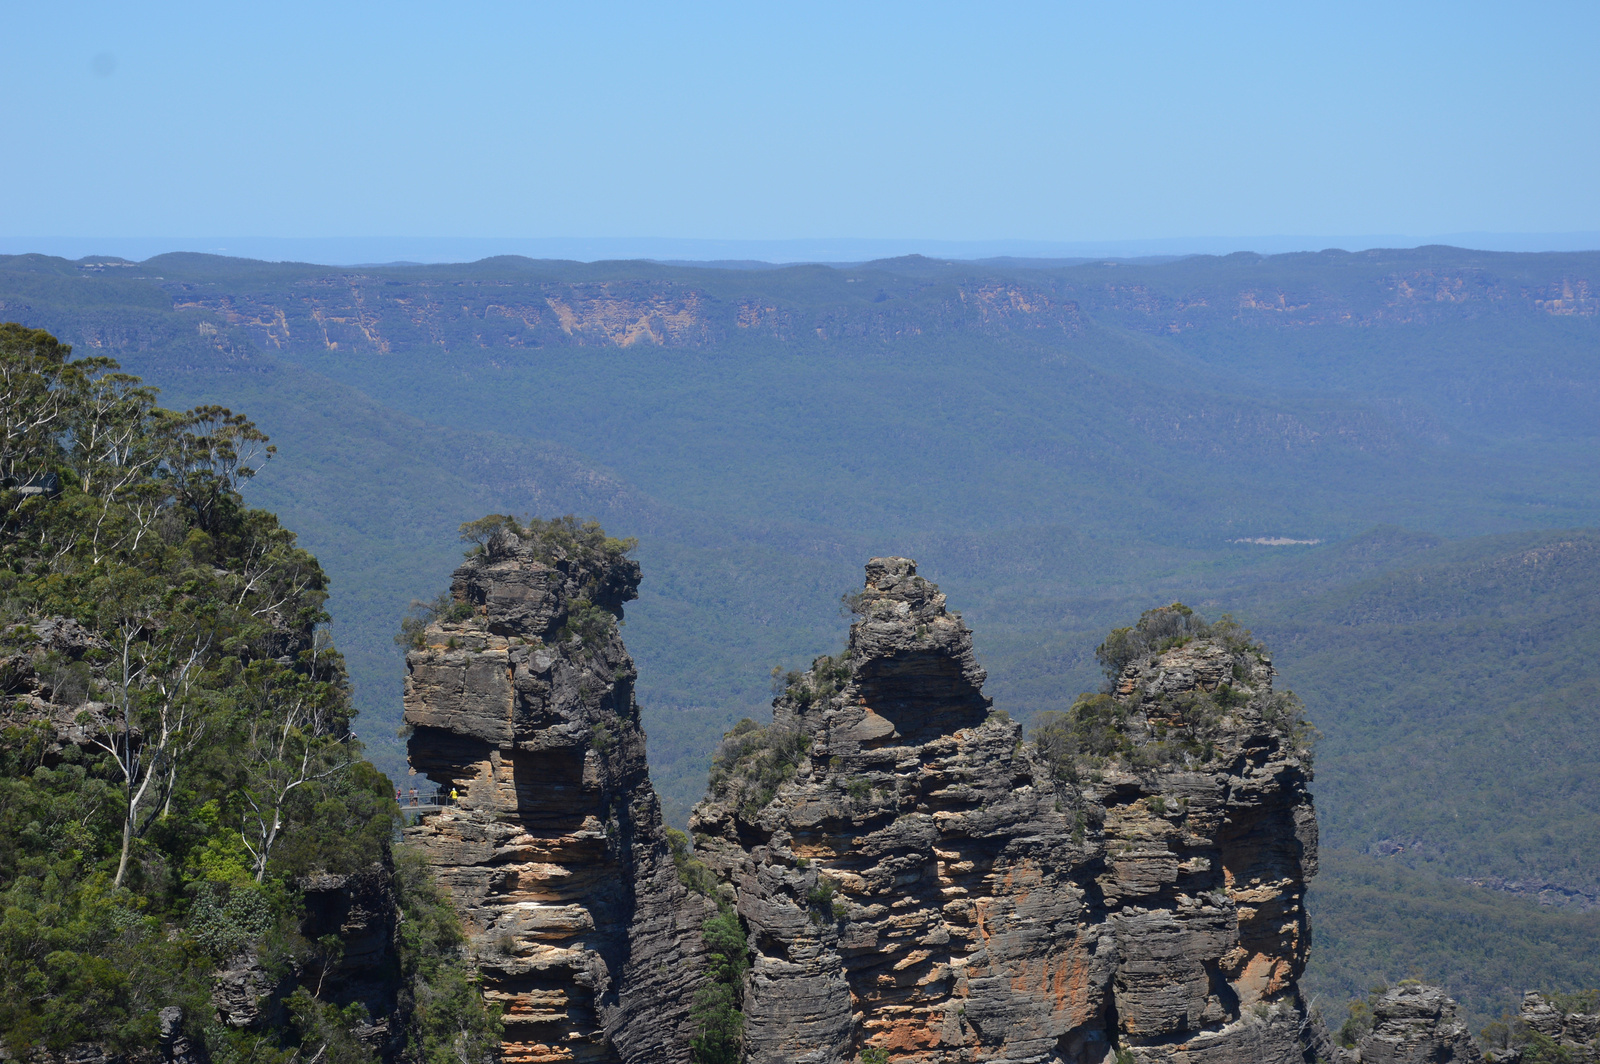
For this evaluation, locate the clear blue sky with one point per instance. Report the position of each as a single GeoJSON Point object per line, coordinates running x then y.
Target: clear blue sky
{"type": "Point", "coordinates": [748, 121]}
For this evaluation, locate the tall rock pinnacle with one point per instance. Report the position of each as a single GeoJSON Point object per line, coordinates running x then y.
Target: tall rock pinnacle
{"type": "Point", "coordinates": [520, 699]}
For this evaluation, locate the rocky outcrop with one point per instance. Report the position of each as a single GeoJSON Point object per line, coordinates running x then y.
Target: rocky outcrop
{"type": "Point", "coordinates": [1414, 1023]}
{"type": "Point", "coordinates": [1549, 1029]}
{"type": "Point", "coordinates": [520, 700]}
{"type": "Point", "coordinates": [176, 1045]}
{"type": "Point", "coordinates": [362, 912]}
{"type": "Point", "coordinates": [246, 994]}
{"type": "Point", "coordinates": [917, 878]}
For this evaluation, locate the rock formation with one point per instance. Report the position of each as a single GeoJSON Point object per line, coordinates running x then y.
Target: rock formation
{"type": "Point", "coordinates": [1550, 1029]}
{"type": "Point", "coordinates": [1414, 1023]}
{"type": "Point", "coordinates": [360, 909]}
{"type": "Point", "coordinates": [917, 878]}
{"type": "Point", "coordinates": [520, 699]}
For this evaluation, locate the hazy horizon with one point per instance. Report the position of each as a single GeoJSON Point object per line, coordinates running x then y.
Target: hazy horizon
{"type": "Point", "coordinates": [360, 251]}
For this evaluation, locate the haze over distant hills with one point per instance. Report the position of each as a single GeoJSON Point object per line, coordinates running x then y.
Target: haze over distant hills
{"type": "Point", "coordinates": [1060, 446]}
{"type": "Point", "coordinates": [434, 249]}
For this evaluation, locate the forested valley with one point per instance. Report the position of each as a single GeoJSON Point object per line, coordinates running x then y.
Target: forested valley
{"type": "Point", "coordinates": [1384, 463]}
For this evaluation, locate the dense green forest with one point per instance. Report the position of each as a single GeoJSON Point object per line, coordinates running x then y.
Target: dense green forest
{"type": "Point", "coordinates": [1060, 448]}
{"type": "Point", "coordinates": [1376, 922]}
{"type": "Point", "coordinates": [176, 761]}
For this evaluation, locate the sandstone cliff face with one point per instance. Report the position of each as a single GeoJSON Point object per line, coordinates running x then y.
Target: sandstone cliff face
{"type": "Point", "coordinates": [916, 877]}
{"type": "Point", "coordinates": [521, 699]}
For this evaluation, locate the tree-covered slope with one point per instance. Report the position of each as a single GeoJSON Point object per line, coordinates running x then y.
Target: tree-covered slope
{"type": "Point", "coordinates": [1457, 697]}
{"type": "Point", "coordinates": [182, 803]}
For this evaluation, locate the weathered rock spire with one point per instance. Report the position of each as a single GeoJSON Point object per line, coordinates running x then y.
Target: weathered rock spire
{"type": "Point", "coordinates": [520, 698]}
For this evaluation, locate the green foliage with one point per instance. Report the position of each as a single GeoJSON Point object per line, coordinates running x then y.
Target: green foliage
{"type": "Point", "coordinates": [587, 622]}
{"type": "Point", "coordinates": [1285, 714]}
{"type": "Point", "coordinates": [218, 765]}
{"type": "Point", "coordinates": [82, 960]}
{"type": "Point", "coordinates": [827, 676]}
{"type": "Point", "coordinates": [752, 762]}
{"type": "Point", "coordinates": [328, 1027]}
{"type": "Point", "coordinates": [1181, 728]}
{"type": "Point", "coordinates": [874, 1055]}
{"type": "Point", "coordinates": [1575, 1002]}
{"type": "Point", "coordinates": [225, 918]}
{"type": "Point", "coordinates": [415, 623]}
{"type": "Point", "coordinates": [354, 810]}
{"type": "Point", "coordinates": [1093, 730]}
{"type": "Point", "coordinates": [1509, 1035]}
{"type": "Point", "coordinates": [450, 1023]}
{"type": "Point", "coordinates": [824, 903]}
{"type": "Point", "coordinates": [1357, 1024]}
{"type": "Point", "coordinates": [552, 539]}
{"type": "Point", "coordinates": [1542, 1049]}
{"type": "Point", "coordinates": [719, 1025]}
{"type": "Point", "coordinates": [692, 872]}
{"type": "Point", "coordinates": [1163, 628]}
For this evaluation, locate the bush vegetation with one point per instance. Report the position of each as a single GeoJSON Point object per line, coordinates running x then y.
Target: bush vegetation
{"type": "Point", "coordinates": [718, 1021]}
{"type": "Point", "coordinates": [752, 762]}
{"type": "Point", "coordinates": [692, 872]}
{"type": "Point", "coordinates": [587, 622]}
{"type": "Point", "coordinates": [180, 754]}
{"type": "Point", "coordinates": [421, 614]}
{"type": "Point", "coordinates": [551, 539]}
{"type": "Point", "coordinates": [824, 903]}
{"type": "Point", "coordinates": [1164, 628]}
{"type": "Point", "coordinates": [827, 677]}
{"type": "Point", "coordinates": [1181, 728]}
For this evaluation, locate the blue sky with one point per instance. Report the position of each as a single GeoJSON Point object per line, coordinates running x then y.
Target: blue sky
{"type": "Point", "coordinates": [1056, 124]}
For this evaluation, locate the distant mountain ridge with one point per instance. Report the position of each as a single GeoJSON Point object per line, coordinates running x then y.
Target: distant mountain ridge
{"type": "Point", "coordinates": [513, 301]}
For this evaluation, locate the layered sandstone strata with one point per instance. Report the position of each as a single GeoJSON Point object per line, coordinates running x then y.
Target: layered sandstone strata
{"type": "Point", "coordinates": [916, 877]}
{"type": "Point", "coordinates": [520, 699]}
